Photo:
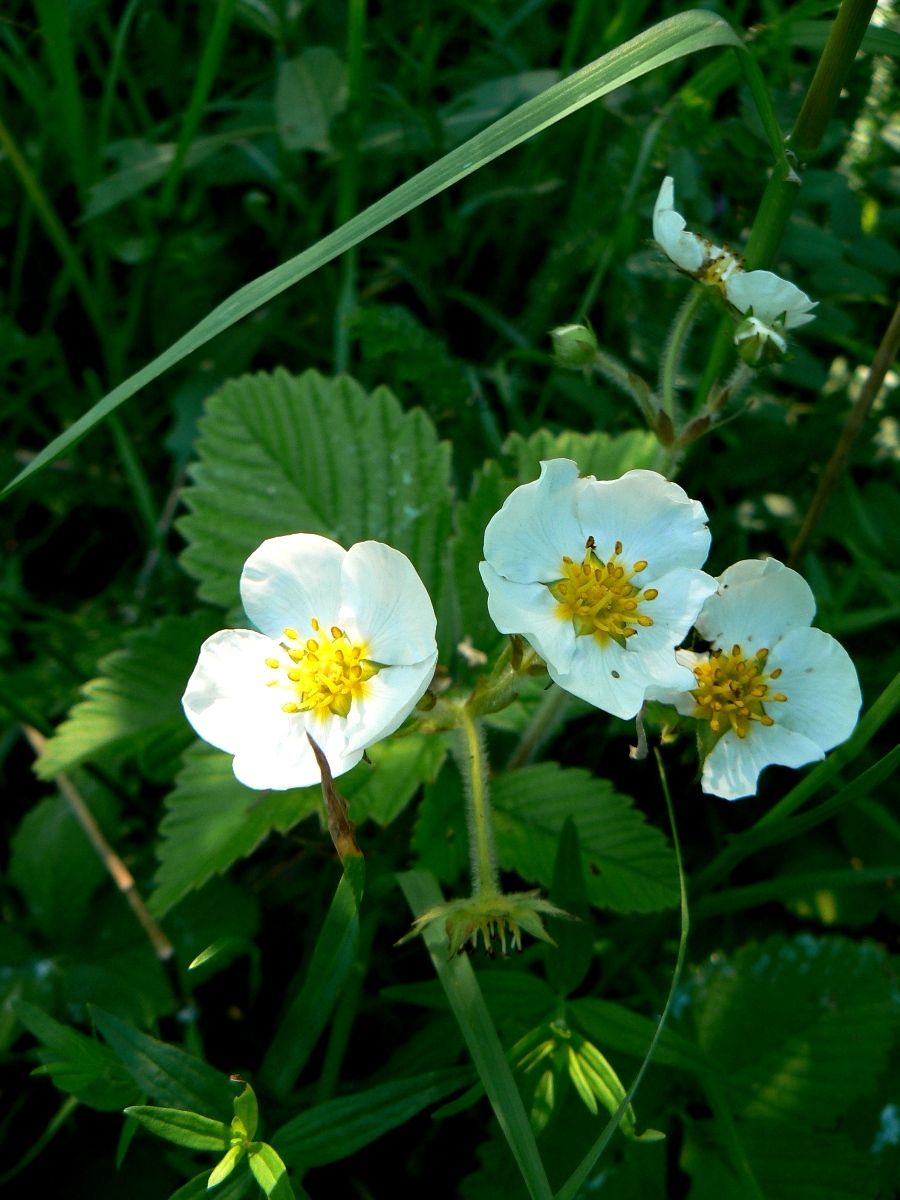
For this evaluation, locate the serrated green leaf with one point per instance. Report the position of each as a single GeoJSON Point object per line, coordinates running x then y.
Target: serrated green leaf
{"type": "Point", "coordinates": [596, 453]}
{"type": "Point", "coordinates": [212, 820]}
{"type": "Point", "coordinates": [317, 455]}
{"type": "Point", "coordinates": [338, 1128]}
{"type": "Point", "coordinates": [271, 1173]}
{"type": "Point", "coordinates": [618, 1028]}
{"type": "Point", "coordinates": [799, 1028]}
{"type": "Point", "coordinates": [628, 865]}
{"type": "Point", "coordinates": [399, 767]}
{"type": "Point", "coordinates": [183, 1127]}
{"type": "Point", "coordinates": [55, 867]}
{"type": "Point", "coordinates": [167, 1074]}
{"type": "Point", "coordinates": [136, 698]}
{"type": "Point", "coordinates": [78, 1064]}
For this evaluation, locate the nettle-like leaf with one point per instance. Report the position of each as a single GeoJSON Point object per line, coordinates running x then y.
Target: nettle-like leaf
{"type": "Point", "coordinates": [136, 700]}
{"type": "Point", "coordinates": [628, 865]}
{"type": "Point", "coordinates": [212, 820]}
{"type": "Point", "coordinates": [799, 1028]}
{"type": "Point", "coordinates": [597, 453]}
{"type": "Point", "coordinates": [282, 453]}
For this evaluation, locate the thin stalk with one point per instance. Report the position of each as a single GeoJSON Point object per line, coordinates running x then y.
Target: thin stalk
{"type": "Point", "coordinates": [348, 178]}
{"type": "Point", "coordinates": [206, 75]}
{"type": "Point", "coordinates": [678, 336]}
{"type": "Point", "coordinates": [627, 381]}
{"type": "Point", "coordinates": [881, 363]}
{"type": "Point", "coordinates": [473, 767]}
{"type": "Point", "coordinates": [137, 479]}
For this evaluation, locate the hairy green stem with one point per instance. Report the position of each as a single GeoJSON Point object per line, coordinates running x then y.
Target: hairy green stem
{"type": "Point", "coordinates": [678, 336]}
{"type": "Point", "coordinates": [472, 763]}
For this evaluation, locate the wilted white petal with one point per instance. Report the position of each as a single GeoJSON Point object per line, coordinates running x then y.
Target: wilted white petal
{"type": "Point", "coordinates": [770, 298]}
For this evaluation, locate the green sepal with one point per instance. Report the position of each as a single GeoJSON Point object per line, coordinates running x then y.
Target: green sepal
{"type": "Point", "coordinates": [183, 1127]}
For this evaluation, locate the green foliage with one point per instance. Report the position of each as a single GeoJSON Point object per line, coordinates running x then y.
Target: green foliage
{"type": "Point", "coordinates": [135, 701]}
{"type": "Point", "coordinates": [182, 1127]}
{"type": "Point", "coordinates": [627, 864]}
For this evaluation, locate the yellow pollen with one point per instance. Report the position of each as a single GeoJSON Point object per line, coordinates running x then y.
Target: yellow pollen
{"type": "Point", "coordinates": [599, 598]}
{"type": "Point", "coordinates": [325, 675]}
{"type": "Point", "coordinates": [731, 690]}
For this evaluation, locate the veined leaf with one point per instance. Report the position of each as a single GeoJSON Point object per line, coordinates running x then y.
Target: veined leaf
{"type": "Point", "coordinates": [78, 1064]}
{"type": "Point", "coordinates": [683, 34]}
{"type": "Point", "coordinates": [270, 1173]}
{"type": "Point", "coordinates": [212, 820]}
{"type": "Point", "coordinates": [137, 697]}
{"type": "Point", "coordinates": [318, 455]}
{"type": "Point", "coordinates": [628, 865]}
{"type": "Point", "coordinates": [183, 1127]}
{"type": "Point", "coordinates": [166, 1073]}
{"type": "Point", "coordinates": [338, 1128]}
{"type": "Point", "coordinates": [799, 1029]}
{"type": "Point", "coordinates": [596, 453]}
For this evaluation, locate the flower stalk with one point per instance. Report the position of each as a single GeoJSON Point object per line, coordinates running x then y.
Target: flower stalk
{"type": "Point", "coordinates": [472, 761]}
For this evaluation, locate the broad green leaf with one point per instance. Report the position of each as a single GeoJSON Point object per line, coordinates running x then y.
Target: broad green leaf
{"type": "Point", "coordinates": [598, 453]}
{"type": "Point", "coordinates": [461, 986]}
{"type": "Point", "coordinates": [799, 1028]}
{"type": "Point", "coordinates": [226, 1165]}
{"type": "Point", "coordinates": [55, 867]}
{"type": "Point", "coordinates": [318, 989]}
{"type": "Point", "coordinates": [78, 1064]}
{"type": "Point", "coordinates": [627, 863]}
{"type": "Point", "coordinates": [183, 1127]}
{"type": "Point", "coordinates": [788, 1163]}
{"type": "Point", "coordinates": [246, 1110]}
{"type": "Point", "coordinates": [338, 1128]}
{"type": "Point", "coordinates": [612, 1026]}
{"type": "Point", "coordinates": [167, 1074]}
{"type": "Point", "coordinates": [490, 487]}
{"type": "Point", "coordinates": [441, 838]}
{"type": "Point", "coordinates": [317, 455]}
{"type": "Point", "coordinates": [686, 33]}
{"type": "Point", "coordinates": [400, 766]}
{"type": "Point", "coordinates": [135, 700]}
{"type": "Point", "coordinates": [271, 1173]}
{"type": "Point", "coordinates": [311, 91]}
{"type": "Point", "coordinates": [570, 961]}
{"type": "Point", "coordinates": [238, 1185]}
{"type": "Point", "coordinates": [212, 820]}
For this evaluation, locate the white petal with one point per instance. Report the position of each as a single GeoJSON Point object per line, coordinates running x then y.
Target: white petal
{"type": "Point", "coordinates": [686, 250]}
{"type": "Point", "coordinates": [733, 767]}
{"type": "Point", "coordinates": [291, 579]}
{"type": "Point", "coordinates": [226, 698]}
{"type": "Point", "coordinates": [653, 518]}
{"type": "Point", "coordinates": [287, 761]}
{"type": "Point", "coordinates": [391, 695]}
{"type": "Point", "coordinates": [590, 676]}
{"type": "Point", "coordinates": [680, 697]}
{"type": "Point", "coordinates": [384, 602]}
{"type": "Point", "coordinates": [821, 685]}
{"type": "Point", "coordinates": [526, 540]}
{"type": "Point", "coordinates": [529, 609]}
{"type": "Point", "coordinates": [757, 602]}
{"type": "Point", "coordinates": [682, 593]}
{"type": "Point", "coordinates": [770, 297]}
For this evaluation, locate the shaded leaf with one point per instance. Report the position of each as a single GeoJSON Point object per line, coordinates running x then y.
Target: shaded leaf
{"type": "Point", "coordinates": [311, 91]}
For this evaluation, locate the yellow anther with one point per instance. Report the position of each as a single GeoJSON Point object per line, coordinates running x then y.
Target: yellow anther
{"type": "Point", "coordinates": [650, 594]}
{"type": "Point", "coordinates": [295, 676]}
{"type": "Point", "coordinates": [618, 548]}
{"type": "Point", "coordinates": [326, 675]}
{"type": "Point", "coordinates": [732, 690]}
{"type": "Point", "coordinates": [780, 696]}
{"type": "Point", "coordinates": [273, 663]}
{"type": "Point", "coordinates": [291, 634]}
{"type": "Point", "coordinates": [598, 597]}
{"type": "Point", "coordinates": [336, 632]}
{"type": "Point", "coordinates": [315, 624]}
{"type": "Point", "coordinates": [640, 565]}
{"type": "Point", "coordinates": [645, 621]}
{"type": "Point", "coordinates": [290, 707]}
{"type": "Point", "coordinates": [297, 655]}
{"type": "Point", "coordinates": [776, 673]}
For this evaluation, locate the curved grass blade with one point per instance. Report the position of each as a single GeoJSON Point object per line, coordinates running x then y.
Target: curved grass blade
{"type": "Point", "coordinates": [459, 982]}
{"type": "Point", "coordinates": [671, 39]}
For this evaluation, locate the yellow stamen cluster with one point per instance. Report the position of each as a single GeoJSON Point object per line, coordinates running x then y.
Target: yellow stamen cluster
{"type": "Point", "coordinates": [732, 690]}
{"type": "Point", "coordinates": [718, 268]}
{"type": "Point", "coordinates": [324, 674]}
{"type": "Point", "coordinates": [599, 598]}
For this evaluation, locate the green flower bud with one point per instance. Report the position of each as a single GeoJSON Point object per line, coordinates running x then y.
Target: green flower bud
{"type": "Point", "coordinates": [758, 343]}
{"type": "Point", "coordinates": [574, 346]}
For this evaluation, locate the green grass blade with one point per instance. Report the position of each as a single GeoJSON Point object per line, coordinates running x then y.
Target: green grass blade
{"type": "Point", "coordinates": [671, 39]}
{"type": "Point", "coordinates": [575, 1181]}
{"type": "Point", "coordinates": [463, 993]}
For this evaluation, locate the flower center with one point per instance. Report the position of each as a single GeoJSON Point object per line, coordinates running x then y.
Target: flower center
{"type": "Point", "coordinates": [599, 598]}
{"type": "Point", "coordinates": [732, 690]}
{"type": "Point", "coordinates": [719, 265]}
{"type": "Point", "coordinates": [325, 674]}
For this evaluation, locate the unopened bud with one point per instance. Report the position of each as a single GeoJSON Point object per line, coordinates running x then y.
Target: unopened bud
{"type": "Point", "coordinates": [758, 343]}
{"type": "Point", "coordinates": [574, 346]}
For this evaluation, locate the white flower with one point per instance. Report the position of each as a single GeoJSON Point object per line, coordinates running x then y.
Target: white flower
{"type": "Point", "coordinates": [602, 578]}
{"type": "Point", "coordinates": [345, 651]}
{"type": "Point", "coordinates": [688, 251]}
{"type": "Point", "coordinates": [772, 689]}
{"type": "Point", "coordinates": [769, 298]}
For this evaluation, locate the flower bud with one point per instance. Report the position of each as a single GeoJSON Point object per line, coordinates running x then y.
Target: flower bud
{"type": "Point", "coordinates": [574, 346]}
{"type": "Point", "coordinates": [758, 343]}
